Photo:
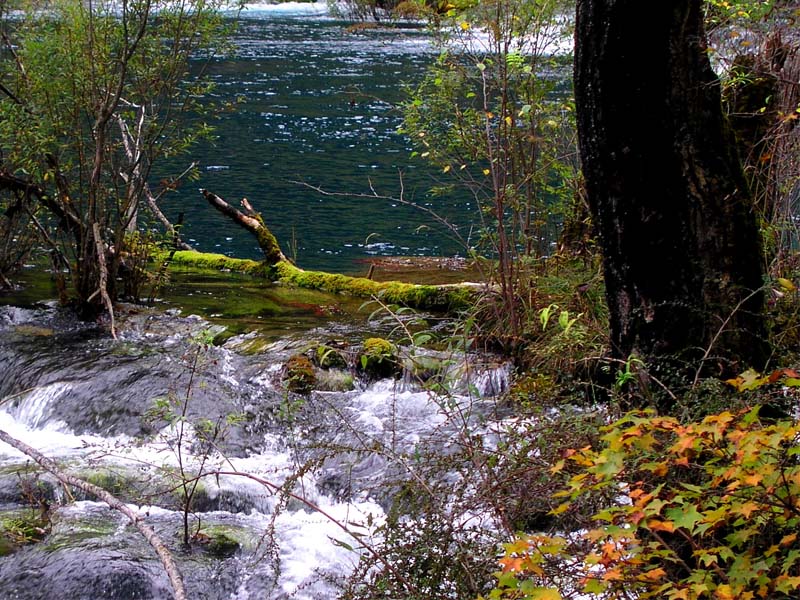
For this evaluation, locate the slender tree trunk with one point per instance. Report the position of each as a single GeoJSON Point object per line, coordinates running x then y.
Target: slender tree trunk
{"type": "Point", "coordinates": [672, 211]}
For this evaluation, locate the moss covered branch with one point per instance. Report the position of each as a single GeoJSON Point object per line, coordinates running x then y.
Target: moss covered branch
{"type": "Point", "coordinates": [278, 268]}
{"type": "Point", "coordinates": [252, 222]}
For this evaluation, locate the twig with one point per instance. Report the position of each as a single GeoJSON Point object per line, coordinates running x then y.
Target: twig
{"type": "Point", "coordinates": [318, 509]}
{"type": "Point", "coordinates": [720, 330]}
{"type": "Point", "coordinates": [374, 195]}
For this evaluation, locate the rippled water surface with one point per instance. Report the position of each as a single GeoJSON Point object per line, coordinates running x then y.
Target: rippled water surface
{"type": "Point", "coordinates": [317, 103]}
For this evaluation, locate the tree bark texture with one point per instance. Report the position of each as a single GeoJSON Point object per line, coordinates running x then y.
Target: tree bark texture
{"type": "Point", "coordinates": [671, 208]}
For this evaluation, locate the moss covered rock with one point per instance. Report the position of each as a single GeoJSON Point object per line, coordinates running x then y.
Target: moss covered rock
{"type": "Point", "coordinates": [328, 357]}
{"type": "Point", "coordinates": [219, 541]}
{"type": "Point", "coordinates": [378, 359]}
{"type": "Point", "coordinates": [299, 375]}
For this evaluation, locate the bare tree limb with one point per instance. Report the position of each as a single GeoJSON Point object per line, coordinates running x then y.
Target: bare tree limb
{"type": "Point", "coordinates": [251, 222]}
{"type": "Point", "coordinates": [103, 283]}
{"type": "Point", "coordinates": [49, 465]}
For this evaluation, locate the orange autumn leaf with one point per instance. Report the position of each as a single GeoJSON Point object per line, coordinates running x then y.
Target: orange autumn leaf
{"type": "Point", "coordinates": [659, 525]}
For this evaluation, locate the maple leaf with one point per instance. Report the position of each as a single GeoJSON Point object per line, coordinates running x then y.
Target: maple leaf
{"type": "Point", "coordinates": [685, 517]}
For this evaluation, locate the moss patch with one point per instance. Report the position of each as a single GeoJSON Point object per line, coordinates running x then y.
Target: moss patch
{"type": "Point", "coordinates": [379, 359]}
{"type": "Point", "coordinates": [21, 527]}
{"type": "Point", "coordinates": [427, 297]}
{"type": "Point", "coordinates": [299, 375]}
{"type": "Point", "coordinates": [222, 541]}
{"type": "Point", "coordinates": [208, 260]}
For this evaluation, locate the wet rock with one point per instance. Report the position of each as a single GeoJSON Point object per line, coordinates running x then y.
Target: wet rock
{"type": "Point", "coordinates": [378, 359]}
{"type": "Point", "coordinates": [299, 375]}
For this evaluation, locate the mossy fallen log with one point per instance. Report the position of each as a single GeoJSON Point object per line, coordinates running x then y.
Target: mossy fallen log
{"type": "Point", "coordinates": [277, 267]}
{"type": "Point", "coordinates": [447, 297]}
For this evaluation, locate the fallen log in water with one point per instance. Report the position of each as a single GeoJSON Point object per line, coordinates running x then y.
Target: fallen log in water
{"type": "Point", "coordinates": [279, 268]}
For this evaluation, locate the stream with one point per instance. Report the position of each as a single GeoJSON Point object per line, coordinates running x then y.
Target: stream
{"type": "Point", "coordinates": [304, 474]}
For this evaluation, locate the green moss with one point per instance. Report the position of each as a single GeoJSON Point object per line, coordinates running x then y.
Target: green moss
{"type": "Point", "coordinates": [207, 260]}
{"type": "Point", "coordinates": [21, 527]}
{"type": "Point", "coordinates": [268, 243]}
{"type": "Point", "coordinates": [222, 337]}
{"type": "Point", "coordinates": [427, 297]}
{"type": "Point", "coordinates": [223, 541]}
{"type": "Point", "coordinates": [252, 345]}
{"type": "Point", "coordinates": [299, 375]}
{"type": "Point", "coordinates": [70, 533]}
{"type": "Point", "coordinates": [378, 358]}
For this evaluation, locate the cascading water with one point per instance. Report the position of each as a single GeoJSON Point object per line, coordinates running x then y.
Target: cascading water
{"type": "Point", "coordinates": [88, 401]}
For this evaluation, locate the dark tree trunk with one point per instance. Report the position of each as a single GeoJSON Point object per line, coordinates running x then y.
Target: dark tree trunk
{"type": "Point", "coordinates": [681, 248]}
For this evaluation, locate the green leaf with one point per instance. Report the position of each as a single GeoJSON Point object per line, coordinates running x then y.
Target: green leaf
{"type": "Point", "coordinates": [686, 516]}
{"type": "Point", "coordinates": [544, 594]}
{"type": "Point", "coordinates": [341, 544]}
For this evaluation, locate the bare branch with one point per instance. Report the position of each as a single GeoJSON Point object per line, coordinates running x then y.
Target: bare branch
{"type": "Point", "coordinates": [170, 567]}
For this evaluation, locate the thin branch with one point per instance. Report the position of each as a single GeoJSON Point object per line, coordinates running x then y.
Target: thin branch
{"type": "Point", "coordinates": [721, 330]}
{"type": "Point", "coordinates": [318, 509]}
{"type": "Point", "coordinates": [453, 229]}
{"type": "Point", "coordinates": [103, 284]}
{"type": "Point", "coordinates": [170, 567]}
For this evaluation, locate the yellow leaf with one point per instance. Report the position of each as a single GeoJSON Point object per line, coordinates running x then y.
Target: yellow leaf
{"type": "Point", "coordinates": [660, 470]}
{"type": "Point", "coordinates": [752, 479]}
{"type": "Point", "coordinates": [544, 594]}
{"type": "Point", "coordinates": [511, 564]}
{"type": "Point", "coordinates": [747, 509]}
{"type": "Point", "coordinates": [724, 592]}
{"type": "Point", "coordinates": [786, 284]}
{"type": "Point", "coordinates": [446, 169]}
{"type": "Point", "coordinates": [749, 380]}
{"type": "Point", "coordinates": [486, 171]}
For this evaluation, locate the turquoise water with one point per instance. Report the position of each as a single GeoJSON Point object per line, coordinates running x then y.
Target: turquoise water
{"type": "Point", "coordinates": [316, 103]}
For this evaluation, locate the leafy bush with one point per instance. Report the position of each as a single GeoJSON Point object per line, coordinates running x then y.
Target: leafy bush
{"type": "Point", "coordinates": [709, 509]}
